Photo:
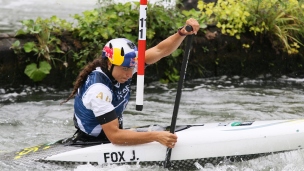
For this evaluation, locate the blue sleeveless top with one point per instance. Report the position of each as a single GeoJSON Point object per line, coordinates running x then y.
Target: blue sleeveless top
{"type": "Point", "coordinates": [96, 98]}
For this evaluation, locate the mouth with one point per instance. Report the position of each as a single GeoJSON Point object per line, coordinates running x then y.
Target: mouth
{"type": "Point", "coordinates": [124, 80]}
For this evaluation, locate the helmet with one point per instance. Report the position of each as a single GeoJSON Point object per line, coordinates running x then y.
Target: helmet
{"type": "Point", "coordinates": [121, 52]}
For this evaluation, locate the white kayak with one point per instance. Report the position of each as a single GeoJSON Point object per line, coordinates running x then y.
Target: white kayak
{"type": "Point", "coordinates": [197, 144]}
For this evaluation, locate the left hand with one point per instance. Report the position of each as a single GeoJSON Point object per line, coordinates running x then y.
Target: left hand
{"type": "Point", "coordinates": [195, 25]}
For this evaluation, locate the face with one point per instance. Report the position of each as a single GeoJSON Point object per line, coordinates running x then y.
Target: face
{"type": "Point", "coordinates": [121, 74]}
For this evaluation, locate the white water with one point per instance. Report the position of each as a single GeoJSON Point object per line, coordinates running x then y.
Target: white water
{"type": "Point", "coordinates": [12, 12]}
{"type": "Point", "coordinates": [29, 117]}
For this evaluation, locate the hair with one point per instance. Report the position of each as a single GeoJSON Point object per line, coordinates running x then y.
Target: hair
{"type": "Point", "coordinates": [81, 78]}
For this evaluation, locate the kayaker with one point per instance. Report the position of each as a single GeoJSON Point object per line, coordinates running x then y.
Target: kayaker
{"type": "Point", "coordinates": [102, 91]}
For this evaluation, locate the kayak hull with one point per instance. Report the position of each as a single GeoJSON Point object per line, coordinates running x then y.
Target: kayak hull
{"type": "Point", "coordinates": [201, 143]}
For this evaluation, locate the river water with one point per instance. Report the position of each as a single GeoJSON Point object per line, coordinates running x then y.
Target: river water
{"type": "Point", "coordinates": [31, 116]}
{"type": "Point", "coordinates": [14, 11]}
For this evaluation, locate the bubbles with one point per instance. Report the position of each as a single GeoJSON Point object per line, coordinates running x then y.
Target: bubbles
{"type": "Point", "coordinates": [114, 167]}
{"type": "Point", "coordinates": [2, 91]}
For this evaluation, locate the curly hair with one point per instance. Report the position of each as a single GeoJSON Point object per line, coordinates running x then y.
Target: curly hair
{"type": "Point", "coordinates": [98, 62]}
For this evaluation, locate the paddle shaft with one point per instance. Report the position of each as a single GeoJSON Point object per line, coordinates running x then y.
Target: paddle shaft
{"type": "Point", "coordinates": [179, 92]}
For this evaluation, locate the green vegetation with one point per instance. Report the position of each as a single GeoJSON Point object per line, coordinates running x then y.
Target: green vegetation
{"type": "Point", "coordinates": [92, 30]}
{"type": "Point", "coordinates": [281, 21]}
{"type": "Point", "coordinates": [46, 47]}
{"type": "Point", "coordinates": [57, 42]}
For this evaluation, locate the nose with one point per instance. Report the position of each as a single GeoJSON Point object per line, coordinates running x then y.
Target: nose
{"type": "Point", "coordinates": [129, 74]}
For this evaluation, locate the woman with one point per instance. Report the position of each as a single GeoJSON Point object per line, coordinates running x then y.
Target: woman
{"type": "Point", "coordinates": [102, 91]}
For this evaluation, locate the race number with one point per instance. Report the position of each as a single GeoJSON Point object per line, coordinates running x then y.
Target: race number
{"type": "Point", "coordinates": [142, 22]}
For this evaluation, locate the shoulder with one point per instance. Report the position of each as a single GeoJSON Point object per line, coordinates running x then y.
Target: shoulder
{"type": "Point", "coordinates": [97, 76]}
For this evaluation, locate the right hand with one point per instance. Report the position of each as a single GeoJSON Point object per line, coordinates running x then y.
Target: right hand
{"type": "Point", "coordinates": [194, 24]}
{"type": "Point", "coordinates": [166, 138]}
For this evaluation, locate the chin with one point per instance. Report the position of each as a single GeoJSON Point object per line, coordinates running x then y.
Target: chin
{"type": "Point", "coordinates": [122, 81]}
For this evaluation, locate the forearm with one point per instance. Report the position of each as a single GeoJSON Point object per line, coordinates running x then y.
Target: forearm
{"type": "Point", "coordinates": [128, 137]}
{"type": "Point", "coordinates": [170, 44]}
{"type": "Point", "coordinates": [164, 48]}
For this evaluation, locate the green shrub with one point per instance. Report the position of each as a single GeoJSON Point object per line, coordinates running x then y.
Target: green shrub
{"type": "Point", "coordinates": [280, 21]}
{"type": "Point", "coordinates": [94, 28]}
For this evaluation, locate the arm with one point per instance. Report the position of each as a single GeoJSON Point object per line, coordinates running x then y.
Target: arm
{"type": "Point", "coordinates": [95, 99]}
{"type": "Point", "coordinates": [128, 137]}
{"type": "Point", "coordinates": [170, 44]}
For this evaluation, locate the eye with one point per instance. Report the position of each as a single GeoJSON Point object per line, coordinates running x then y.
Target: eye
{"type": "Point", "coordinates": [127, 68]}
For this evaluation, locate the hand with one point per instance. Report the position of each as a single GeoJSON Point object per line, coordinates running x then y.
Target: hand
{"type": "Point", "coordinates": [166, 138]}
{"type": "Point", "coordinates": [195, 25]}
